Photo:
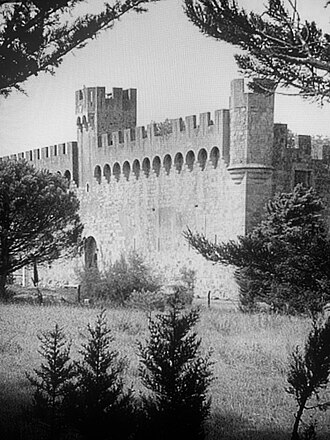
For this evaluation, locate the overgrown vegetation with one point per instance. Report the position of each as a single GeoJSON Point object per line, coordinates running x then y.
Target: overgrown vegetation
{"type": "Point", "coordinates": [119, 279]}
{"type": "Point", "coordinates": [285, 260]}
{"type": "Point", "coordinates": [129, 281]}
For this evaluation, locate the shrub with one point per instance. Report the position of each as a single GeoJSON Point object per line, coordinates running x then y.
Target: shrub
{"type": "Point", "coordinates": [126, 275]}
{"type": "Point", "coordinates": [177, 376]}
{"type": "Point", "coordinates": [148, 300]}
{"type": "Point", "coordinates": [309, 373]}
{"type": "Point", "coordinates": [188, 278]}
{"type": "Point", "coordinates": [119, 280]}
{"type": "Point", "coordinates": [161, 298]}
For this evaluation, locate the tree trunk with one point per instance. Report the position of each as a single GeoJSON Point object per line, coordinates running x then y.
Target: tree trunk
{"type": "Point", "coordinates": [3, 290]}
{"type": "Point", "coordinates": [35, 280]}
{"type": "Point", "coordinates": [295, 435]}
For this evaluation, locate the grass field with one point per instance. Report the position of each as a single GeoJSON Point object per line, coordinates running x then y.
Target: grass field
{"type": "Point", "coordinates": [250, 354]}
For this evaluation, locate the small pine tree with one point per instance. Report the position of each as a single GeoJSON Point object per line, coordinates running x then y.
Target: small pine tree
{"type": "Point", "coordinates": [309, 372]}
{"type": "Point", "coordinates": [99, 403]}
{"type": "Point", "coordinates": [52, 380]}
{"type": "Point", "coordinates": [177, 376]}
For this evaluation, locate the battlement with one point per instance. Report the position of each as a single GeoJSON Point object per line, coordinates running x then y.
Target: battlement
{"type": "Point", "coordinates": [45, 153]}
{"type": "Point", "coordinates": [140, 187]}
{"type": "Point", "coordinates": [242, 96]}
{"type": "Point", "coordinates": [89, 99]}
{"type": "Point", "coordinates": [102, 112]}
{"type": "Point", "coordinates": [59, 158]}
{"type": "Point", "coordinates": [176, 141]}
{"type": "Point", "coordinates": [244, 136]}
{"type": "Point", "coordinates": [167, 130]}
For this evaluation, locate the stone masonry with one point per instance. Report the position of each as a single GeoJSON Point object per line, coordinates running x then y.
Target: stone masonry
{"type": "Point", "coordinates": [140, 188]}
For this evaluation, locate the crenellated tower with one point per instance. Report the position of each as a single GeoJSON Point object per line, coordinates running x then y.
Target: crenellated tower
{"type": "Point", "coordinates": [99, 113]}
{"type": "Point", "coordinates": [251, 146]}
{"type": "Point", "coordinates": [141, 187]}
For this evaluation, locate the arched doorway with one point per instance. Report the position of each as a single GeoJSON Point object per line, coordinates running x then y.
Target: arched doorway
{"type": "Point", "coordinates": [90, 253]}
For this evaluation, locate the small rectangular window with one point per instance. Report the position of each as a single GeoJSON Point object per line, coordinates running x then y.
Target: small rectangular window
{"type": "Point", "coordinates": [303, 177]}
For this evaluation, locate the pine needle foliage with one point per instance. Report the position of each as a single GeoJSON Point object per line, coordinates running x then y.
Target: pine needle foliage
{"type": "Point", "coordinates": [100, 403]}
{"type": "Point", "coordinates": [309, 372]}
{"type": "Point", "coordinates": [177, 376]}
{"type": "Point", "coordinates": [52, 380]}
{"type": "Point", "coordinates": [276, 45]}
{"type": "Point", "coordinates": [36, 35]}
{"type": "Point", "coordinates": [285, 260]}
{"type": "Point", "coordinates": [39, 218]}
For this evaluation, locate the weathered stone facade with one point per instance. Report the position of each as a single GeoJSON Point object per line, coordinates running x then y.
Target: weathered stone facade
{"type": "Point", "coordinates": [141, 188]}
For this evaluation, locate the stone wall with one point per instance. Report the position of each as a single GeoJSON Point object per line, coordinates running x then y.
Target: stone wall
{"type": "Point", "coordinates": [140, 188]}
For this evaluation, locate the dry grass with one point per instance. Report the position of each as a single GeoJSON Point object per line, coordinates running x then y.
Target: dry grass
{"type": "Point", "coordinates": [250, 356]}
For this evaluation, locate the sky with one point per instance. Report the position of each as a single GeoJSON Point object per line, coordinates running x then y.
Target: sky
{"type": "Point", "coordinates": [177, 71]}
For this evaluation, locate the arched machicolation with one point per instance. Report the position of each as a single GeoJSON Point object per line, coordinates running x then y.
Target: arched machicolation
{"type": "Point", "coordinates": [157, 163]}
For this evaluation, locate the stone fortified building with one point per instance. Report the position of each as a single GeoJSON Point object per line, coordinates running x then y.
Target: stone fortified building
{"type": "Point", "coordinates": [140, 188]}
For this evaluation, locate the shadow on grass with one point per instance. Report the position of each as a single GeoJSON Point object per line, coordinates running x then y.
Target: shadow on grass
{"type": "Point", "coordinates": [15, 402]}
{"type": "Point", "coordinates": [226, 425]}
{"type": "Point", "coordinates": [16, 424]}
{"type": "Point", "coordinates": [221, 426]}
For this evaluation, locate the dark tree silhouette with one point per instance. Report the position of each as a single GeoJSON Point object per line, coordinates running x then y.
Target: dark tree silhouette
{"type": "Point", "coordinates": [35, 35]}
{"type": "Point", "coordinates": [38, 217]}
{"type": "Point", "coordinates": [178, 376]}
{"type": "Point", "coordinates": [277, 44]}
{"type": "Point", "coordinates": [285, 259]}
